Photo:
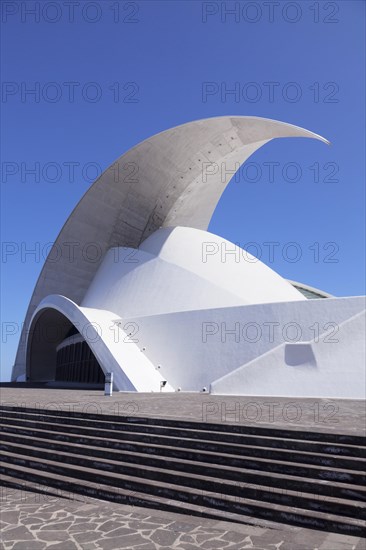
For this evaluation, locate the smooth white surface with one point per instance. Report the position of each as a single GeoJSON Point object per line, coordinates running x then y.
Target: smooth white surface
{"type": "Point", "coordinates": [182, 269]}
{"type": "Point", "coordinates": [205, 345]}
{"type": "Point", "coordinates": [170, 316]}
{"type": "Point", "coordinates": [320, 367]}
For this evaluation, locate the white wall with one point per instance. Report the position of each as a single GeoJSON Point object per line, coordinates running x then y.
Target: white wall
{"type": "Point", "coordinates": [195, 348]}
{"type": "Point", "coordinates": [320, 367]}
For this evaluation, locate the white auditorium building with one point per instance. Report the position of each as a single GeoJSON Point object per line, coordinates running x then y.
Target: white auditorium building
{"type": "Point", "coordinates": [161, 307]}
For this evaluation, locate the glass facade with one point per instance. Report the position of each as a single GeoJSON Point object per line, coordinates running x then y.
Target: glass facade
{"type": "Point", "coordinates": [309, 292]}
{"type": "Point", "coordinates": [77, 363]}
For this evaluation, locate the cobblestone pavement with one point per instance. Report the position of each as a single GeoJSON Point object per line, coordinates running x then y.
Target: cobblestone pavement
{"type": "Point", "coordinates": [34, 521]}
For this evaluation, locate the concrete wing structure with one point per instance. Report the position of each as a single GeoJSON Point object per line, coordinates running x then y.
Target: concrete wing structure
{"type": "Point", "coordinates": [134, 271]}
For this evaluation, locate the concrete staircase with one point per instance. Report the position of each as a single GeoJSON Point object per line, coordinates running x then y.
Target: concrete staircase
{"type": "Point", "coordinates": [223, 471]}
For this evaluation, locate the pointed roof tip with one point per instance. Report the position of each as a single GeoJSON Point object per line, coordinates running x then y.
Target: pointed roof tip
{"type": "Point", "coordinates": [312, 135]}
{"type": "Point", "coordinates": [300, 131]}
{"type": "Point", "coordinates": [307, 133]}
{"type": "Point", "coordinates": [321, 138]}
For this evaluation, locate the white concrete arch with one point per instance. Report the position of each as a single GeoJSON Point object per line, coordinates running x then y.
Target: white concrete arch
{"type": "Point", "coordinates": [101, 329]}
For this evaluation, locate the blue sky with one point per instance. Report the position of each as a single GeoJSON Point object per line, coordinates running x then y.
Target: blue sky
{"type": "Point", "coordinates": [109, 74]}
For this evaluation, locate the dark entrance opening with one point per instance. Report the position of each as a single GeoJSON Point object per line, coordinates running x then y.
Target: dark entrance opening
{"type": "Point", "coordinates": [57, 352]}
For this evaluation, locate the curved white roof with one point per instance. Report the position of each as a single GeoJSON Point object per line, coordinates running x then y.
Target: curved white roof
{"type": "Point", "coordinates": [182, 269]}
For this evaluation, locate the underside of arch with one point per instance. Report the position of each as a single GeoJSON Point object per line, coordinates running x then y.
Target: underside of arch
{"type": "Point", "coordinates": [55, 356]}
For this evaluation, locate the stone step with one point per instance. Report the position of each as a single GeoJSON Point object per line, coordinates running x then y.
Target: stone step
{"type": "Point", "coordinates": [210, 464]}
{"type": "Point", "coordinates": [223, 432]}
{"type": "Point", "coordinates": [40, 491]}
{"type": "Point", "coordinates": [247, 451]}
{"type": "Point", "coordinates": [206, 426]}
{"type": "Point", "coordinates": [45, 491]}
{"type": "Point", "coordinates": [309, 479]}
{"type": "Point", "coordinates": [63, 477]}
{"type": "Point", "coordinates": [198, 481]}
{"type": "Point", "coordinates": [270, 464]}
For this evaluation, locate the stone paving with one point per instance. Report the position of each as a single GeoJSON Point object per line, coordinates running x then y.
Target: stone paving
{"type": "Point", "coordinates": [34, 521]}
{"type": "Point", "coordinates": [326, 415]}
